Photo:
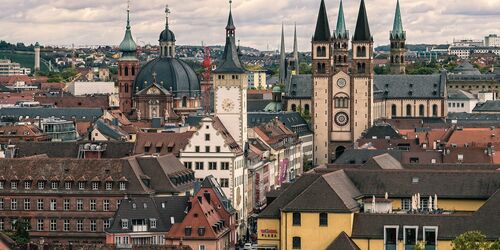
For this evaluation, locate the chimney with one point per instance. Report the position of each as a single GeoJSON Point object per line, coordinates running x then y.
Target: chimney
{"type": "Point", "coordinates": [207, 196]}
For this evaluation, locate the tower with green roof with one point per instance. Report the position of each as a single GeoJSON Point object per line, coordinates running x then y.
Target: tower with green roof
{"type": "Point", "coordinates": [397, 37]}
{"type": "Point", "coordinates": [341, 43]}
{"type": "Point", "coordinates": [128, 67]}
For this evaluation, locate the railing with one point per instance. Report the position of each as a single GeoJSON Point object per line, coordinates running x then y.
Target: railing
{"type": "Point", "coordinates": [139, 228]}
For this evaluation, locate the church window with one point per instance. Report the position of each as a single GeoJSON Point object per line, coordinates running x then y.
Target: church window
{"type": "Point", "coordinates": [402, 59]}
{"type": "Point", "coordinates": [321, 51]}
{"type": "Point", "coordinates": [306, 108]}
{"type": "Point", "coordinates": [434, 110]}
{"type": "Point", "coordinates": [170, 51]}
{"type": "Point", "coordinates": [394, 111]}
{"type": "Point", "coordinates": [421, 110]}
{"type": "Point", "coordinates": [126, 71]}
{"type": "Point", "coordinates": [345, 59]}
{"type": "Point", "coordinates": [408, 110]}
{"type": "Point", "coordinates": [126, 88]}
{"type": "Point", "coordinates": [392, 59]}
{"type": "Point", "coordinates": [184, 101]}
{"type": "Point", "coordinates": [294, 107]}
{"type": "Point", "coordinates": [133, 71]}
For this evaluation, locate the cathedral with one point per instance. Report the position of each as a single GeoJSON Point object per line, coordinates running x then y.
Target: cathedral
{"type": "Point", "coordinates": [165, 87]}
{"type": "Point", "coordinates": [346, 96]}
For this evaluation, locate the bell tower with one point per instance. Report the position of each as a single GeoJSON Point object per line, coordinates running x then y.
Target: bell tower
{"type": "Point", "coordinates": [230, 88]}
{"type": "Point", "coordinates": [398, 45]}
{"type": "Point", "coordinates": [341, 43]}
{"type": "Point", "coordinates": [322, 70]}
{"type": "Point", "coordinates": [128, 67]}
{"type": "Point", "coordinates": [362, 75]}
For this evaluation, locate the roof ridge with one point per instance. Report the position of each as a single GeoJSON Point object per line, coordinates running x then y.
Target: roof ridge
{"type": "Point", "coordinates": [303, 191]}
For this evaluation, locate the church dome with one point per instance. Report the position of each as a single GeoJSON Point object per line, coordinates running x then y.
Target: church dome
{"type": "Point", "coordinates": [172, 74]}
{"type": "Point", "coordinates": [167, 36]}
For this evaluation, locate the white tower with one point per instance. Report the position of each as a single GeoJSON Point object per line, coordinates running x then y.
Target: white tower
{"type": "Point", "coordinates": [37, 57]}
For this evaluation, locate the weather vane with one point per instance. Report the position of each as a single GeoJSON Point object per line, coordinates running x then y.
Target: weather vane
{"type": "Point", "coordinates": [167, 10]}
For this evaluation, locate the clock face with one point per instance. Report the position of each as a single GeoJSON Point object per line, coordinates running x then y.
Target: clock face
{"type": "Point", "coordinates": [341, 119]}
{"type": "Point", "coordinates": [227, 105]}
{"type": "Point", "coordinates": [341, 82]}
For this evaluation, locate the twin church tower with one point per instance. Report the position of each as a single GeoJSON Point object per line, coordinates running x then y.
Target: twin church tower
{"type": "Point", "coordinates": [342, 89]}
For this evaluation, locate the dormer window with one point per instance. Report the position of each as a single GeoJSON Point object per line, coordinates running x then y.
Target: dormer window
{"type": "Point", "coordinates": [27, 184]}
{"type": "Point", "coordinates": [201, 231]}
{"type": "Point", "coordinates": [13, 185]}
{"type": "Point", "coordinates": [41, 185]}
{"type": "Point", "coordinates": [54, 185]}
{"type": "Point", "coordinates": [188, 231]}
{"type": "Point", "coordinates": [109, 185]}
{"type": "Point", "coordinates": [67, 185]}
{"type": "Point", "coordinates": [81, 185]}
{"type": "Point", "coordinates": [123, 185]}
{"type": "Point", "coordinates": [124, 224]}
{"type": "Point", "coordinates": [152, 223]}
{"type": "Point", "coordinates": [2, 184]}
{"type": "Point", "coordinates": [95, 185]}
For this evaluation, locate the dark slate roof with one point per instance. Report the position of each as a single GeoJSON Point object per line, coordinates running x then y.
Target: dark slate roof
{"type": "Point", "coordinates": [108, 130]}
{"type": "Point", "coordinates": [230, 59]}
{"type": "Point", "coordinates": [361, 156]}
{"type": "Point", "coordinates": [486, 220]}
{"type": "Point", "coordinates": [230, 22]}
{"type": "Point", "coordinates": [172, 74]}
{"type": "Point", "coordinates": [292, 120]}
{"type": "Point", "coordinates": [322, 32]}
{"type": "Point", "coordinates": [70, 149]}
{"type": "Point", "coordinates": [342, 242]}
{"type": "Point", "coordinates": [164, 180]}
{"type": "Point", "coordinates": [466, 69]}
{"type": "Point", "coordinates": [299, 86]}
{"type": "Point", "coordinates": [211, 182]}
{"type": "Point", "coordinates": [167, 36]}
{"type": "Point", "coordinates": [362, 32]}
{"type": "Point", "coordinates": [159, 208]}
{"type": "Point", "coordinates": [445, 183]}
{"type": "Point", "coordinates": [273, 209]}
{"type": "Point", "coordinates": [458, 94]}
{"type": "Point", "coordinates": [410, 86]}
{"type": "Point", "coordinates": [488, 106]}
{"type": "Point", "coordinates": [79, 114]}
{"type": "Point", "coordinates": [381, 131]}
{"type": "Point", "coordinates": [256, 105]}
{"type": "Point", "coordinates": [332, 192]}
{"type": "Point", "coordinates": [462, 118]}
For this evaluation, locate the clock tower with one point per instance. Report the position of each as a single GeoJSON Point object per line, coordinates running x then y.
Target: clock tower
{"type": "Point", "coordinates": [230, 88]}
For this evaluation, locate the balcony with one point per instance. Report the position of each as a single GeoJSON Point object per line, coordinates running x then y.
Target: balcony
{"type": "Point", "coordinates": [139, 228]}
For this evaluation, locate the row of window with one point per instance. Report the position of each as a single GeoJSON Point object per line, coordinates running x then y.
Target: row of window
{"type": "Point", "coordinates": [81, 185]}
{"type": "Point", "coordinates": [234, 77]}
{"type": "Point", "coordinates": [322, 219]}
{"type": "Point", "coordinates": [409, 110]}
{"type": "Point", "coordinates": [207, 148]}
{"type": "Point", "coordinates": [39, 204]}
{"type": "Point", "coordinates": [410, 237]}
{"type": "Point", "coordinates": [64, 225]}
{"type": "Point", "coordinates": [211, 165]}
{"type": "Point", "coordinates": [456, 105]}
{"type": "Point", "coordinates": [477, 87]}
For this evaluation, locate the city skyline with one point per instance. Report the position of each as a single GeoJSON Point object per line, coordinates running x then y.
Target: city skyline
{"type": "Point", "coordinates": [63, 22]}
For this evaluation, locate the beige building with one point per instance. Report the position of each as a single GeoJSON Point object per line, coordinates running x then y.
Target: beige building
{"type": "Point", "coordinates": [257, 79]}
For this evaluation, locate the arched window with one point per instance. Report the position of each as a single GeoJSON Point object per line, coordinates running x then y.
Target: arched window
{"type": "Point", "coordinates": [359, 51]}
{"type": "Point", "coordinates": [341, 102]}
{"type": "Point", "coordinates": [392, 59]}
{"type": "Point", "coordinates": [133, 71]}
{"type": "Point", "coordinates": [402, 59]}
{"type": "Point", "coordinates": [434, 110]}
{"type": "Point", "coordinates": [394, 110]}
{"type": "Point", "coordinates": [306, 108]}
{"type": "Point", "coordinates": [294, 107]}
{"type": "Point", "coordinates": [126, 71]}
{"type": "Point", "coordinates": [321, 68]}
{"type": "Point", "coordinates": [421, 110]}
{"type": "Point", "coordinates": [408, 110]}
{"type": "Point", "coordinates": [321, 51]}
{"type": "Point", "coordinates": [170, 52]}
{"type": "Point", "coordinates": [126, 88]}
{"type": "Point", "coordinates": [184, 101]}
{"type": "Point", "coordinates": [396, 59]}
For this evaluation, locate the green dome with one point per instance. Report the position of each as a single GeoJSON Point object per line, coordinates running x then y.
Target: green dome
{"type": "Point", "coordinates": [274, 107]}
{"type": "Point", "coordinates": [128, 44]}
{"type": "Point", "coordinates": [276, 89]}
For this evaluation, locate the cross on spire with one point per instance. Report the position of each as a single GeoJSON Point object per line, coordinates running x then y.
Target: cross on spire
{"type": "Point", "coordinates": [154, 77]}
{"type": "Point", "coordinates": [128, 14]}
{"type": "Point", "coordinates": [167, 12]}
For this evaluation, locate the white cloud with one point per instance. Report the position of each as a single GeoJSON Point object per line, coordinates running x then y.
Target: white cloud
{"type": "Point", "coordinates": [258, 21]}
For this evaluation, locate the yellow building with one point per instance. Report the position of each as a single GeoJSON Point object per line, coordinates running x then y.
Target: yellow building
{"type": "Point", "coordinates": [372, 209]}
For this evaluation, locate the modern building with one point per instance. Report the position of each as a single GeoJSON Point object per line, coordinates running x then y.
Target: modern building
{"type": "Point", "coordinates": [381, 209]}
{"type": "Point", "coordinates": [9, 68]}
{"type": "Point", "coordinates": [91, 88]}
{"type": "Point", "coordinates": [257, 79]}
{"type": "Point", "coordinates": [459, 101]}
{"type": "Point", "coordinates": [58, 129]}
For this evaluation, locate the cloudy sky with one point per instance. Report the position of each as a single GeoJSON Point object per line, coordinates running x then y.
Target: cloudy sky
{"type": "Point", "coordinates": [99, 22]}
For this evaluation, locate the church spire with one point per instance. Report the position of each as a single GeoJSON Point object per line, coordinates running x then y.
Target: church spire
{"type": "Point", "coordinates": [397, 28]}
{"type": "Point", "coordinates": [296, 51]}
{"type": "Point", "coordinates": [128, 47]}
{"type": "Point", "coordinates": [362, 32]}
{"type": "Point", "coordinates": [230, 60]}
{"type": "Point", "coordinates": [167, 13]}
{"type": "Point", "coordinates": [322, 32]}
{"type": "Point", "coordinates": [341, 31]}
{"type": "Point", "coordinates": [282, 56]}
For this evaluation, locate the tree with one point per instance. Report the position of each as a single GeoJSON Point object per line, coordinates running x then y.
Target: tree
{"type": "Point", "coordinates": [419, 246]}
{"type": "Point", "coordinates": [472, 240]}
{"type": "Point", "coordinates": [495, 245]}
{"type": "Point", "coordinates": [305, 68]}
{"type": "Point", "coordinates": [21, 236]}
{"type": "Point", "coordinates": [381, 70]}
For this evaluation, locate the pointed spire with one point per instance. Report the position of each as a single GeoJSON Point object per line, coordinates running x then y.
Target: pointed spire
{"type": "Point", "coordinates": [167, 13]}
{"type": "Point", "coordinates": [282, 56]}
{"type": "Point", "coordinates": [128, 45]}
{"type": "Point", "coordinates": [341, 31]}
{"type": "Point", "coordinates": [230, 59]}
{"type": "Point", "coordinates": [397, 28]}
{"type": "Point", "coordinates": [230, 22]}
{"type": "Point", "coordinates": [362, 32]}
{"type": "Point", "coordinates": [296, 50]}
{"type": "Point", "coordinates": [322, 32]}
